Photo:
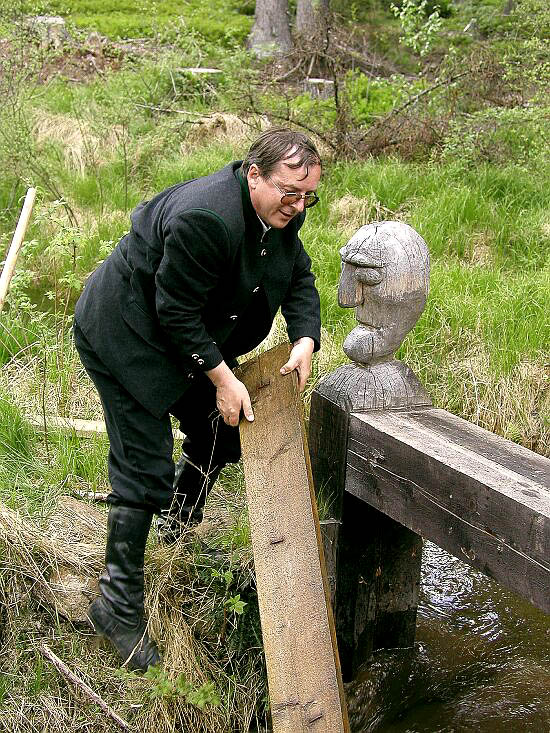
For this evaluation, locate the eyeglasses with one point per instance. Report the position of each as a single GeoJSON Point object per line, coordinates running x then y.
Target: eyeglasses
{"type": "Point", "coordinates": [291, 197]}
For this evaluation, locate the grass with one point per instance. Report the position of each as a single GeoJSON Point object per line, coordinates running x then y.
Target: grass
{"type": "Point", "coordinates": [225, 21]}
{"type": "Point", "coordinates": [480, 348]}
{"type": "Point", "coordinates": [200, 606]}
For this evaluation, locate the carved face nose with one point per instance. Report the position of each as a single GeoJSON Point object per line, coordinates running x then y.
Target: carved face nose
{"type": "Point", "coordinates": [350, 290]}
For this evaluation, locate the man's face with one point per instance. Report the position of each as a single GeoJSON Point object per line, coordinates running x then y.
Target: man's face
{"type": "Point", "coordinates": [265, 197]}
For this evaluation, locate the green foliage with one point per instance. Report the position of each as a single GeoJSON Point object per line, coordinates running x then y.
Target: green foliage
{"type": "Point", "coordinates": [304, 107]}
{"type": "Point", "coordinates": [5, 684]}
{"type": "Point", "coordinates": [498, 135]}
{"type": "Point", "coordinates": [235, 604]}
{"type": "Point", "coordinates": [160, 685]}
{"type": "Point", "coordinates": [39, 681]}
{"type": "Point", "coordinates": [420, 25]}
{"type": "Point", "coordinates": [204, 696]}
{"type": "Point", "coordinates": [150, 18]}
{"type": "Point", "coordinates": [370, 99]}
{"type": "Point", "coordinates": [526, 51]}
{"type": "Point", "coordinates": [15, 433]}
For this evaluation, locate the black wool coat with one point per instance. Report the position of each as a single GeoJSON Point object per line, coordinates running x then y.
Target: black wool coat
{"type": "Point", "coordinates": [168, 299]}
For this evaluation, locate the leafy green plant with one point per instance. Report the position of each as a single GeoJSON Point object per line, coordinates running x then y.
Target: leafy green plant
{"type": "Point", "coordinates": [235, 605]}
{"type": "Point", "coordinates": [159, 685]}
{"type": "Point", "coordinates": [420, 26]}
{"type": "Point", "coordinates": [370, 99]}
{"type": "Point", "coordinates": [499, 135]}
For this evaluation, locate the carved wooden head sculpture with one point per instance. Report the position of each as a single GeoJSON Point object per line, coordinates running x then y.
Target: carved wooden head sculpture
{"type": "Point", "coordinates": [385, 277]}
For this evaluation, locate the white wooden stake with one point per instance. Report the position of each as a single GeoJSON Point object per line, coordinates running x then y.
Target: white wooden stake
{"type": "Point", "coordinates": [17, 241]}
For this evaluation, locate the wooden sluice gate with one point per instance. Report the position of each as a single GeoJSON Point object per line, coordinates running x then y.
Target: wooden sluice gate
{"type": "Point", "coordinates": [304, 677]}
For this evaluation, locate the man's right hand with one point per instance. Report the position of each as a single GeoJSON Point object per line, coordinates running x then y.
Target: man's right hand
{"type": "Point", "coordinates": [231, 395]}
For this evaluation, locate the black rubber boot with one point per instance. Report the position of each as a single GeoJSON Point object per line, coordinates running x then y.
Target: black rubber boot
{"type": "Point", "coordinates": [192, 483]}
{"type": "Point", "coordinates": [118, 613]}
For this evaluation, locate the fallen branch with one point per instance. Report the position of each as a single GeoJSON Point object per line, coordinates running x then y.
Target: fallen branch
{"type": "Point", "coordinates": [366, 62]}
{"type": "Point", "coordinates": [170, 111]}
{"type": "Point", "coordinates": [416, 97]}
{"type": "Point", "coordinates": [288, 73]}
{"type": "Point", "coordinates": [382, 122]}
{"type": "Point", "coordinates": [82, 686]}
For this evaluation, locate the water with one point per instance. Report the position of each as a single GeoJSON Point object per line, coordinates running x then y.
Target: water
{"type": "Point", "coordinates": [481, 662]}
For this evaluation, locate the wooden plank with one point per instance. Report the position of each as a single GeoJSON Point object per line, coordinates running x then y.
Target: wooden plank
{"type": "Point", "coordinates": [305, 685]}
{"type": "Point", "coordinates": [328, 437]}
{"type": "Point", "coordinates": [488, 445]}
{"type": "Point", "coordinates": [82, 428]}
{"type": "Point", "coordinates": [378, 584]}
{"type": "Point", "coordinates": [422, 468]}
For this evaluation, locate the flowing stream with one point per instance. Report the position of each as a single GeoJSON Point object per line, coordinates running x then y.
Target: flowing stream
{"type": "Point", "coordinates": [481, 662]}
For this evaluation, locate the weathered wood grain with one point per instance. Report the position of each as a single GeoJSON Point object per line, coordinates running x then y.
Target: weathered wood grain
{"type": "Point", "coordinates": [482, 498]}
{"type": "Point", "coordinates": [374, 562]}
{"type": "Point", "coordinates": [378, 583]}
{"type": "Point", "coordinates": [304, 677]}
{"type": "Point", "coordinates": [328, 430]}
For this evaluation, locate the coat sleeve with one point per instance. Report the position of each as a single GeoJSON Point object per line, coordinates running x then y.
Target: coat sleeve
{"type": "Point", "coordinates": [196, 256]}
{"type": "Point", "coordinates": [301, 306]}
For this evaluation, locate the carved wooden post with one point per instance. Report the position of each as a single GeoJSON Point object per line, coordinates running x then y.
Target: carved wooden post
{"type": "Point", "coordinates": [375, 561]}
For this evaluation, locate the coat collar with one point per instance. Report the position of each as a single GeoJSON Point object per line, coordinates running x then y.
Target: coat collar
{"type": "Point", "coordinates": [251, 218]}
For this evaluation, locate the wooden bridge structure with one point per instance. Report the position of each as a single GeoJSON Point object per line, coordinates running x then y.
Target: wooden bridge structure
{"type": "Point", "coordinates": [395, 470]}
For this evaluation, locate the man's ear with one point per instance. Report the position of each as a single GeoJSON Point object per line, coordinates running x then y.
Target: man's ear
{"type": "Point", "coordinates": [253, 175]}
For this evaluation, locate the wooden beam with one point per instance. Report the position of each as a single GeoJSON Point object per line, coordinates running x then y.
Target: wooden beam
{"type": "Point", "coordinates": [378, 583]}
{"type": "Point", "coordinates": [305, 685]}
{"type": "Point", "coordinates": [82, 428]}
{"type": "Point", "coordinates": [481, 497]}
{"type": "Point", "coordinates": [374, 562]}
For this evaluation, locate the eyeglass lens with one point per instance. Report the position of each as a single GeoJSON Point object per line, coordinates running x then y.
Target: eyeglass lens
{"type": "Point", "coordinates": [291, 198]}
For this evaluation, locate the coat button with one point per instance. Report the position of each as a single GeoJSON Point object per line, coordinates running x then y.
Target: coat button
{"type": "Point", "coordinates": [190, 375]}
{"type": "Point", "coordinates": [194, 356]}
{"type": "Point", "coordinates": [263, 253]}
{"type": "Point", "coordinates": [200, 361]}
{"type": "Point", "coordinates": [233, 318]}
{"type": "Point", "coordinates": [256, 289]}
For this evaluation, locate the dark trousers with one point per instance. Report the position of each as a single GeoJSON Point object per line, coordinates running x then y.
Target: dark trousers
{"type": "Point", "coordinates": [141, 467]}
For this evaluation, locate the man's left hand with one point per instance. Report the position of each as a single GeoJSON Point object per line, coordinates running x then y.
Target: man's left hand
{"type": "Point", "coordinates": [300, 359]}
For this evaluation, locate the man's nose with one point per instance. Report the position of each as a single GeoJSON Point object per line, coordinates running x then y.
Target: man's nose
{"type": "Point", "coordinates": [299, 205]}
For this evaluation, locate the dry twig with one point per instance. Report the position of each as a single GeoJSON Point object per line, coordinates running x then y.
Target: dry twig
{"type": "Point", "coordinates": [82, 686]}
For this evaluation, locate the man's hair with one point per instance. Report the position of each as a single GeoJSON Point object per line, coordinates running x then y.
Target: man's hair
{"type": "Point", "coordinates": [278, 144]}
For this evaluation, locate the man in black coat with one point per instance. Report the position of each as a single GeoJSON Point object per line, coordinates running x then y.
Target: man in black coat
{"type": "Point", "coordinates": [195, 283]}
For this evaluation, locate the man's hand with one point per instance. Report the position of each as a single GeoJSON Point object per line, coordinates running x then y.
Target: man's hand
{"type": "Point", "coordinates": [231, 395]}
{"type": "Point", "coordinates": [300, 359]}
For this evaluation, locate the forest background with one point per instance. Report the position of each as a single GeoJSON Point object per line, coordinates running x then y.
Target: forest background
{"type": "Point", "coordinates": [432, 114]}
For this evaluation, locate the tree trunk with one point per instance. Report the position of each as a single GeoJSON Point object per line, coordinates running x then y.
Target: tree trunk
{"type": "Point", "coordinates": [270, 33]}
{"type": "Point", "coordinates": [310, 16]}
